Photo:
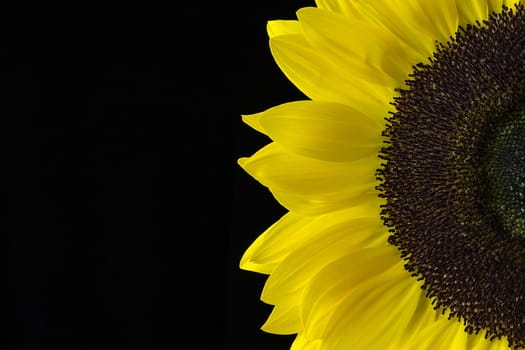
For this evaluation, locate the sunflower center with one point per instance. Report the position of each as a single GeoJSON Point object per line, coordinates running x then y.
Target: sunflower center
{"type": "Point", "coordinates": [504, 172]}
{"type": "Point", "coordinates": [453, 176]}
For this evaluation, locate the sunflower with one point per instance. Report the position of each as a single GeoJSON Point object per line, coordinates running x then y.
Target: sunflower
{"type": "Point", "coordinates": [403, 176]}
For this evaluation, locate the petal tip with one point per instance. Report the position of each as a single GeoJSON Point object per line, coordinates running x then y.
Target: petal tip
{"type": "Point", "coordinates": [276, 28]}
{"type": "Point", "coordinates": [253, 120]}
{"type": "Point", "coordinates": [242, 162]}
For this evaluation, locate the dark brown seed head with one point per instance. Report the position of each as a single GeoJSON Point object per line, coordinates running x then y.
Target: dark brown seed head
{"type": "Point", "coordinates": [454, 176]}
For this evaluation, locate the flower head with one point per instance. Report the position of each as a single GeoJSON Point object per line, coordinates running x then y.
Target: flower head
{"type": "Point", "coordinates": [404, 176]}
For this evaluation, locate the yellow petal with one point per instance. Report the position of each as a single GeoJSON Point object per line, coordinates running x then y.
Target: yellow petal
{"type": "Point", "coordinates": [377, 316]}
{"type": "Point", "coordinates": [292, 177]}
{"type": "Point", "coordinates": [479, 342]}
{"type": "Point", "coordinates": [291, 231]}
{"type": "Point", "coordinates": [367, 51]}
{"type": "Point", "coordinates": [439, 18]}
{"type": "Point", "coordinates": [301, 342]}
{"type": "Point", "coordinates": [270, 248]}
{"type": "Point", "coordinates": [363, 301]}
{"type": "Point", "coordinates": [321, 130]}
{"type": "Point", "coordinates": [443, 335]}
{"type": "Point", "coordinates": [423, 315]}
{"type": "Point", "coordinates": [347, 8]}
{"type": "Point", "coordinates": [470, 11]}
{"type": "Point", "coordinates": [284, 319]}
{"type": "Point", "coordinates": [313, 73]}
{"type": "Point", "coordinates": [438, 332]}
{"type": "Point", "coordinates": [283, 27]}
{"type": "Point", "coordinates": [334, 282]}
{"type": "Point", "coordinates": [253, 121]}
{"type": "Point", "coordinates": [336, 236]}
{"type": "Point", "coordinates": [417, 23]}
{"type": "Point", "coordinates": [496, 6]}
{"type": "Point", "coordinates": [309, 205]}
{"type": "Point", "coordinates": [428, 323]}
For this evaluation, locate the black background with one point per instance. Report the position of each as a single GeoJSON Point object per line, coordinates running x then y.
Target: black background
{"type": "Point", "coordinates": [124, 213]}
